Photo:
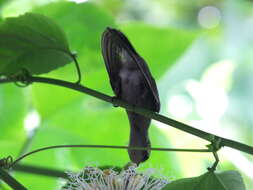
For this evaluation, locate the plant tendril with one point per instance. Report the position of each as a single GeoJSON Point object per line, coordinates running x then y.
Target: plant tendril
{"type": "Point", "coordinates": [215, 146]}
{"type": "Point", "coordinates": [104, 146]}
{"type": "Point", "coordinates": [77, 68]}
{"type": "Point", "coordinates": [6, 162]}
{"type": "Point", "coordinates": [23, 78]}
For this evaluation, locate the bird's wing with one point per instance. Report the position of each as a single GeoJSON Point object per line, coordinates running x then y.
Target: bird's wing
{"type": "Point", "coordinates": [110, 52]}
{"type": "Point", "coordinates": [113, 42]}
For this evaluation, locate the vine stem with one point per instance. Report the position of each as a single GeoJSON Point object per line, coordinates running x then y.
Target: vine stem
{"type": "Point", "coordinates": [104, 146]}
{"type": "Point", "coordinates": [38, 170]}
{"type": "Point", "coordinates": [12, 182]}
{"type": "Point", "coordinates": [77, 69]}
{"type": "Point", "coordinates": [147, 113]}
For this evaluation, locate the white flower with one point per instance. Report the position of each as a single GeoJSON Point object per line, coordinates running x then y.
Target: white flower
{"type": "Point", "coordinates": [91, 178]}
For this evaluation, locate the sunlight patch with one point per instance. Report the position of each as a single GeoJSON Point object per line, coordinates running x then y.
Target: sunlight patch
{"type": "Point", "coordinates": [32, 121]}
{"type": "Point", "coordinates": [78, 1]}
{"type": "Point", "coordinates": [209, 17]}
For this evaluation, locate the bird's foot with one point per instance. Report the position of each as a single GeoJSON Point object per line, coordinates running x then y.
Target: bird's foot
{"type": "Point", "coordinates": [114, 100]}
{"type": "Point", "coordinates": [130, 164]}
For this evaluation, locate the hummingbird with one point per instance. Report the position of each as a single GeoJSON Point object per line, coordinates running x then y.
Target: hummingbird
{"type": "Point", "coordinates": [132, 82]}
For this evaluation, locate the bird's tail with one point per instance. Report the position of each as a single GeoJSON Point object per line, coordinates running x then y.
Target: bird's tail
{"type": "Point", "coordinates": [138, 137]}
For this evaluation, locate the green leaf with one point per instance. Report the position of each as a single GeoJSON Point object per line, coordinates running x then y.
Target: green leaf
{"type": "Point", "coordinates": [83, 23]}
{"type": "Point", "coordinates": [32, 42]}
{"type": "Point", "coordinates": [55, 158]}
{"type": "Point", "coordinates": [232, 180]}
{"type": "Point", "coordinates": [13, 109]}
{"type": "Point", "coordinates": [90, 121]}
{"type": "Point", "coordinates": [84, 37]}
{"type": "Point", "coordinates": [83, 127]}
{"type": "Point", "coordinates": [228, 180]}
{"type": "Point", "coordinates": [159, 46]}
{"type": "Point", "coordinates": [2, 2]}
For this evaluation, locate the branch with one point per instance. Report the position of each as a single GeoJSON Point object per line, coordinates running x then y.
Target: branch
{"type": "Point", "coordinates": [181, 126]}
{"type": "Point", "coordinates": [12, 182]}
{"type": "Point", "coordinates": [12, 164]}
{"type": "Point", "coordinates": [40, 171]}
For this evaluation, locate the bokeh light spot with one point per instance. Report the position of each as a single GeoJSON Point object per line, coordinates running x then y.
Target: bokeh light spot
{"type": "Point", "coordinates": [209, 17]}
{"type": "Point", "coordinates": [78, 1]}
{"type": "Point", "coordinates": [32, 121]}
{"type": "Point", "coordinates": [180, 106]}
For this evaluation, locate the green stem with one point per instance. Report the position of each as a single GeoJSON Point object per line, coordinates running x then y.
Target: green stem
{"type": "Point", "coordinates": [40, 171]}
{"type": "Point", "coordinates": [104, 146]}
{"type": "Point", "coordinates": [176, 124]}
{"type": "Point", "coordinates": [12, 182]}
{"type": "Point", "coordinates": [77, 69]}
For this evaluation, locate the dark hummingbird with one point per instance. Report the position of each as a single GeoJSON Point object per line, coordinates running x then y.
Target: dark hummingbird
{"type": "Point", "coordinates": [132, 82]}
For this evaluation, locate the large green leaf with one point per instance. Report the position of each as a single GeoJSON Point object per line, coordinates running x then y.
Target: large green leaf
{"type": "Point", "coordinates": [32, 42]}
{"type": "Point", "coordinates": [228, 180]}
{"type": "Point", "coordinates": [55, 158]}
{"type": "Point", "coordinates": [38, 182]}
{"type": "Point", "coordinates": [83, 24]}
{"type": "Point", "coordinates": [13, 109]}
{"type": "Point", "coordinates": [101, 125]}
{"type": "Point", "coordinates": [84, 127]}
{"type": "Point", "coordinates": [159, 46]}
{"type": "Point", "coordinates": [2, 2]}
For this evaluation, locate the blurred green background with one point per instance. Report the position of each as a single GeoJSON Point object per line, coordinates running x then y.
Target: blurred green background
{"type": "Point", "coordinates": [200, 53]}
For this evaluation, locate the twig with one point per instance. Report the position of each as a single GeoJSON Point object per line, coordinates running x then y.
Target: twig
{"type": "Point", "coordinates": [12, 182]}
{"type": "Point", "coordinates": [40, 171]}
{"type": "Point", "coordinates": [77, 69]}
{"type": "Point", "coordinates": [181, 126]}
{"type": "Point", "coordinates": [104, 146]}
